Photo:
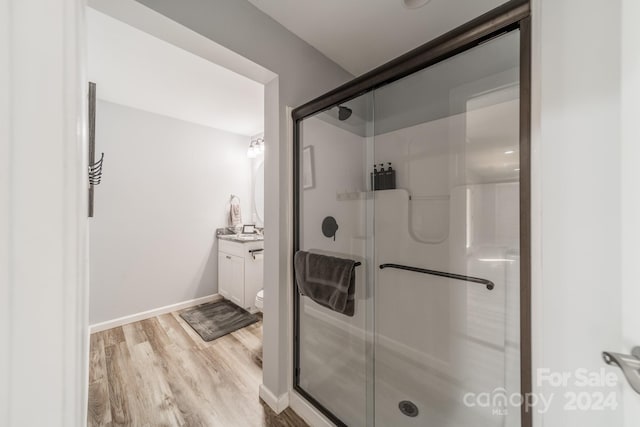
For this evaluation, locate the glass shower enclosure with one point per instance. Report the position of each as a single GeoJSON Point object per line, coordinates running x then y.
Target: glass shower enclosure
{"type": "Point", "coordinates": [424, 181]}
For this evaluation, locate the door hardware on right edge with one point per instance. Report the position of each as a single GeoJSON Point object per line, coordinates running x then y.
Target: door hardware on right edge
{"type": "Point", "coordinates": [629, 363]}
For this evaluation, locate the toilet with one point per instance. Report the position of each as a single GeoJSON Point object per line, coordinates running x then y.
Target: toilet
{"type": "Point", "coordinates": [260, 300]}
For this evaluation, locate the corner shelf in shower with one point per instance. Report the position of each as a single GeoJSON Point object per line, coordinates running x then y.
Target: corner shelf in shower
{"type": "Point", "coordinates": [436, 198]}
{"type": "Point", "coordinates": [413, 203]}
{"type": "Point", "coordinates": [363, 195]}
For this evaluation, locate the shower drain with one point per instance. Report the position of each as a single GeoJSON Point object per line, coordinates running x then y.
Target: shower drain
{"type": "Point", "coordinates": [408, 408]}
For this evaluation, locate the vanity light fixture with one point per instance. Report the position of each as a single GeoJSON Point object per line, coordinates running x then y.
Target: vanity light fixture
{"type": "Point", "coordinates": [252, 153]}
{"type": "Point", "coordinates": [256, 147]}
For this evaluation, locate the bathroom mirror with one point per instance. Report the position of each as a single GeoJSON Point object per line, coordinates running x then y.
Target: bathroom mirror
{"type": "Point", "coordinates": [258, 191]}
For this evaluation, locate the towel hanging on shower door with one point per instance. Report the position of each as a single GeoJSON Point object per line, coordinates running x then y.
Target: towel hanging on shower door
{"type": "Point", "coordinates": [327, 280]}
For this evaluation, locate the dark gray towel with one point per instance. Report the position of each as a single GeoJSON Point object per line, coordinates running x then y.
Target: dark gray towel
{"type": "Point", "coordinates": [327, 280]}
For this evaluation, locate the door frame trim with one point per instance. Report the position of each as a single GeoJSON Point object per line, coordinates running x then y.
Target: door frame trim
{"type": "Point", "coordinates": [515, 14]}
{"type": "Point", "coordinates": [44, 279]}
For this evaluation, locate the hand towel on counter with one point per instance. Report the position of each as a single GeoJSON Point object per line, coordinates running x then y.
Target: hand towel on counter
{"type": "Point", "coordinates": [235, 215]}
{"type": "Point", "coordinates": [327, 280]}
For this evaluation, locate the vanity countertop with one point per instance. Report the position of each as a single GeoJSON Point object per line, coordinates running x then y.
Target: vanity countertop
{"type": "Point", "coordinates": [233, 235]}
{"type": "Point", "coordinates": [242, 238]}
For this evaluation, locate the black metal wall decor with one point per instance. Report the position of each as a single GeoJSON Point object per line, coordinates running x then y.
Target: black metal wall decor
{"type": "Point", "coordinates": [512, 15]}
{"type": "Point", "coordinates": [330, 227]}
{"type": "Point", "coordinates": [95, 172]}
{"type": "Point", "coordinates": [95, 167]}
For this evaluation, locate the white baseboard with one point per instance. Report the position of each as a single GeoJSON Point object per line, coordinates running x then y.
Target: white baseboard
{"type": "Point", "coordinates": [277, 404]}
{"type": "Point", "coordinates": [103, 326]}
{"type": "Point", "coordinates": [307, 412]}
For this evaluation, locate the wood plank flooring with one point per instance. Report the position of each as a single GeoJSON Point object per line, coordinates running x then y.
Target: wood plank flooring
{"type": "Point", "coordinates": [159, 372]}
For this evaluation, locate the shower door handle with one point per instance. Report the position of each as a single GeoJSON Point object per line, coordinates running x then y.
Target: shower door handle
{"type": "Point", "coordinates": [629, 363]}
{"type": "Point", "coordinates": [487, 283]}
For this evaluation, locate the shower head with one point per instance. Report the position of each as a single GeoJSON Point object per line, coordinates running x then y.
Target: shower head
{"type": "Point", "coordinates": [344, 112]}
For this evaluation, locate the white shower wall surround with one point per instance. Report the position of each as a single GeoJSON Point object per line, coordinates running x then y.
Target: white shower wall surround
{"type": "Point", "coordinates": [428, 158]}
{"type": "Point", "coordinates": [435, 338]}
{"type": "Point", "coordinates": [332, 346]}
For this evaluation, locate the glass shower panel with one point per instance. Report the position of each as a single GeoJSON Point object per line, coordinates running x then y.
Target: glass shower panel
{"type": "Point", "coordinates": [443, 343]}
{"type": "Point", "coordinates": [335, 350]}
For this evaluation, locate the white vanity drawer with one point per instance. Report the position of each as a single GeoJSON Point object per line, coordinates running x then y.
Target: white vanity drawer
{"type": "Point", "coordinates": [231, 248]}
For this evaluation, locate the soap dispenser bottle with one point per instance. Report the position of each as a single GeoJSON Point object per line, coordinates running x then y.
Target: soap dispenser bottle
{"type": "Point", "coordinates": [374, 178]}
{"type": "Point", "coordinates": [382, 183]}
{"type": "Point", "coordinates": [390, 178]}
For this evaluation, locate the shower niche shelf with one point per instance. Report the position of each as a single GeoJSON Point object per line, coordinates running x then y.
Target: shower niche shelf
{"type": "Point", "coordinates": [361, 195]}
{"type": "Point", "coordinates": [426, 217]}
{"type": "Point", "coordinates": [437, 198]}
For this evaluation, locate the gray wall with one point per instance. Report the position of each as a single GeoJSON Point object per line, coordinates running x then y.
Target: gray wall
{"type": "Point", "coordinates": [165, 190]}
{"type": "Point", "coordinates": [303, 73]}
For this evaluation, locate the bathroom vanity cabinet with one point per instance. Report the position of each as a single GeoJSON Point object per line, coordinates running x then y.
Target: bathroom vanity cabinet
{"type": "Point", "coordinates": [240, 270]}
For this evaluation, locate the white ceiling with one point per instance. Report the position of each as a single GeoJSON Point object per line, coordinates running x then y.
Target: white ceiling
{"type": "Point", "coordinates": [360, 35]}
{"type": "Point", "coordinates": [133, 68]}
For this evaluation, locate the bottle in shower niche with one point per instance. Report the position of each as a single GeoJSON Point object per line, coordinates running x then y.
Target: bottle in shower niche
{"type": "Point", "coordinates": [390, 178]}
{"type": "Point", "coordinates": [374, 178]}
{"type": "Point", "coordinates": [382, 181]}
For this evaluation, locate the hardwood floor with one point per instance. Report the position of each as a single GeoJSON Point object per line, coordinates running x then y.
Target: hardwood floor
{"type": "Point", "coordinates": [159, 372]}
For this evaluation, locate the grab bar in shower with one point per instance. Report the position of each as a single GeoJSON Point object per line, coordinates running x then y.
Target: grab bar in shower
{"type": "Point", "coordinates": [488, 283]}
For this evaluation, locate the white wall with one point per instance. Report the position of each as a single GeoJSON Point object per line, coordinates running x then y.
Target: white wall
{"type": "Point", "coordinates": [576, 195]}
{"type": "Point", "coordinates": [5, 197]}
{"type": "Point", "coordinates": [630, 177]}
{"type": "Point", "coordinates": [43, 226]}
{"type": "Point", "coordinates": [165, 190]}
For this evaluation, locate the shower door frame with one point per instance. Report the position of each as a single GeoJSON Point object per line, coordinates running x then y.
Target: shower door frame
{"type": "Point", "coordinates": [513, 15]}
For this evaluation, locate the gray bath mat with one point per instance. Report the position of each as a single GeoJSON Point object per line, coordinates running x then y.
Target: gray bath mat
{"type": "Point", "coordinates": [216, 319]}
